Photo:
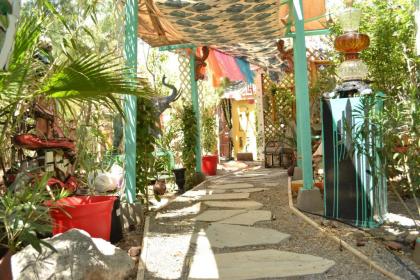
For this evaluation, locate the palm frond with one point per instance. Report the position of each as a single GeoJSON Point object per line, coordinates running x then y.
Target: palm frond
{"type": "Point", "coordinates": [92, 77]}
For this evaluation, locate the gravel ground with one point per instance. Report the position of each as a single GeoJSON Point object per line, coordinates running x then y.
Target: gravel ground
{"type": "Point", "coordinates": [304, 238]}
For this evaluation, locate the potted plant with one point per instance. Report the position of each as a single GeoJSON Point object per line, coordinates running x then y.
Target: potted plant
{"type": "Point", "coordinates": [24, 218]}
{"type": "Point", "coordinates": [210, 159]}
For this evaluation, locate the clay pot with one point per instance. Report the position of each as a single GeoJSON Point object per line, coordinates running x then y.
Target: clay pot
{"type": "Point", "coordinates": [6, 267]}
{"type": "Point", "coordinates": [401, 149]}
{"type": "Point", "coordinates": [159, 188]}
{"type": "Point", "coordinates": [352, 42]}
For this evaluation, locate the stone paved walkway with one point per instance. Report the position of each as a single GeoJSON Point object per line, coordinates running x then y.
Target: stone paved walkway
{"type": "Point", "coordinates": [221, 232]}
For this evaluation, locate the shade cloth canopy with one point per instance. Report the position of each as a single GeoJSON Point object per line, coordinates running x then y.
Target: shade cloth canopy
{"type": "Point", "coordinates": [241, 28]}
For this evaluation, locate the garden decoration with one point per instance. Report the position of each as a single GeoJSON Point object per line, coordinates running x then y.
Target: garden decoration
{"type": "Point", "coordinates": [54, 153]}
{"type": "Point", "coordinates": [286, 56]}
{"type": "Point", "coordinates": [163, 103]}
{"type": "Point", "coordinates": [200, 64]}
{"type": "Point", "coordinates": [351, 192]}
{"type": "Point", "coordinates": [9, 15]}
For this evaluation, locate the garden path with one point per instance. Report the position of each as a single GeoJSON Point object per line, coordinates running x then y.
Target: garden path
{"type": "Point", "coordinates": [239, 226]}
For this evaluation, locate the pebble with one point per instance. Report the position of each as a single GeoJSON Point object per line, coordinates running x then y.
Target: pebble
{"type": "Point", "coordinates": [394, 245]}
{"type": "Point", "coordinates": [134, 251]}
{"type": "Point", "coordinates": [411, 238]}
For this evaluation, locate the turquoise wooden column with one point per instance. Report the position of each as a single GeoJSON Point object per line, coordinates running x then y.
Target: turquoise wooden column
{"type": "Point", "coordinates": [196, 107]}
{"type": "Point", "coordinates": [130, 104]}
{"type": "Point", "coordinates": [303, 119]}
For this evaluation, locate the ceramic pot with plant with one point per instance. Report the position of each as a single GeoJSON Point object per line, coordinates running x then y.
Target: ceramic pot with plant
{"type": "Point", "coordinates": [159, 188]}
{"type": "Point", "coordinates": [210, 159]}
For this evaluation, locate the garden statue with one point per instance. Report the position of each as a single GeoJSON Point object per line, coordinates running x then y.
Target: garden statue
{"type": "Point", "coordinates": [163, 103]}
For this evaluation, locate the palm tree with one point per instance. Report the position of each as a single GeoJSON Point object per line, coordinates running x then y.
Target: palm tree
{"type": "Point", "coordinates": [72, 81]}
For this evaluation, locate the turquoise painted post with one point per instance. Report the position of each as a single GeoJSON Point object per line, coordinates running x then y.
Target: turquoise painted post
{"type": "Point", "coordinates": [196, 107]}
{"type": "Point", "coordinates": [303, 119]}
{"type": "Point", "coordinates": [130, 105]}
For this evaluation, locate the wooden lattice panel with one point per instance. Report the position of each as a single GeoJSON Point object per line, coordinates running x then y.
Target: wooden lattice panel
{"type": "Point", "coordinates": [279, 111]}
{"type": "Point", "coordinates": [278, 107]}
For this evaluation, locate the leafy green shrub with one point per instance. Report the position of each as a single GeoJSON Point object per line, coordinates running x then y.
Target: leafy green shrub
{"type": "Point", "coordinates": [145, 145]}
{"type": "Point", "coordinates": [209, 130]}
{"type": "Point", "coordinates": [24, 217]}
{"type": "Point", "coordinates": [189, 129]}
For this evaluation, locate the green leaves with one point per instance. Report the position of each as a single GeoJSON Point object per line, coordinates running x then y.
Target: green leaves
{"type": "Point", "coordinates": [23, 216]}
{"type": "Point", "coordinates": [209, 130]}
{"type": "Point", "coordinates": [189, 129]}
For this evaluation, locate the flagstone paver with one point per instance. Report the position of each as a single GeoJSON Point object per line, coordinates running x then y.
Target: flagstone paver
{"type": "Point", "coordinates": [256, 264]}
{"type": "Point", "coordinates": [195, 209]}
{"type": "Point", "coordinates": [202, 192]}
{"type": "Point", "coordinates": [224, 196]}
{"type": "Point", "coordinates": [250, 190]}
{"type": "Point", "coordinates": [249, 218]}
{"type": "Point", "coordinates": [185, 246]}
{"type": "Point", "coordinates": [224, 235]}
{"type": "Point", "coordinates": [217, 215]}
{"type": "Point", "coordinates": [231, 186]}
{"type": "Point", "coordinates": [271, 184]}
{"type": "Point", "coordinates": [244, 204]}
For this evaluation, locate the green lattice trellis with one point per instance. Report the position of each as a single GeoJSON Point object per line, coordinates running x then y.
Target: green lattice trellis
{"type": "Point", "coordinates": [279, 105]}
{"type": "Point", "coordinates": [278, 101]}
{"type": "Point", "coordinates": [184, 75]}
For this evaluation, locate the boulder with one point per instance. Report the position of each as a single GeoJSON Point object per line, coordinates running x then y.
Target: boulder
{"type": "Point", "coordinates": [78, 256]}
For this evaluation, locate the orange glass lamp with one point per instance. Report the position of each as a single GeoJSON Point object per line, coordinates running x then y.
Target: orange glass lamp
{"type": "Point", "coordinates": [351, 43]}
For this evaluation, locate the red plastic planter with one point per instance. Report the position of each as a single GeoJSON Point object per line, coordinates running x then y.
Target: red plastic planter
{"type": "Point", "coordinates": [209, 164]}
{"type": "Point", "coordinates": [89, 213]}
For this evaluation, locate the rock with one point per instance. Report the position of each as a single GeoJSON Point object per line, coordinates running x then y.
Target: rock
{"type": "Point", "coordinates": [132, 215]}
{"type": "Point", "coordinates": [134, 251]}
{"type": "Point", "coordinates": [250, 190]}
{"type": "Point", "coordinates": [390, 237]}
{"type": "Point", "coordinates": [232, 186]}
{"type": "Point", "coordinates": [227, 196]}
{"type": "Point", "coordinates": [224, 235]}
{"type": "Point", "coordinates": [360, 243]}
{"type": "Point", "coordinates": [78, 256]}
{"type": "Point", "coordinates": [245, 204]}
{"type": "Point", "coordinates": [394, 245]}
{"type": "Point", "coordinates": [217, 215]}
{"type": "Point", "coordinates": [411, 238]}
{"type": "Point", "coordinates": [249, 218]}
{"type": "Point", "coordinates": [259, 264]}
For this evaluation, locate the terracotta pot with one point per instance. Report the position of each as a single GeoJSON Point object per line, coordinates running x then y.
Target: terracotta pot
{"type": "Point", "coordinates": [159, 188]}
{"type": "Point", "coordinates": [401, 149]}
{"type": "Point", "coordinates": [352, 42]}
{"type": "Point", "coordinates": [6, 267]}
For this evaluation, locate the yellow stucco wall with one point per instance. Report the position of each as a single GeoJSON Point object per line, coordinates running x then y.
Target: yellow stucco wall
{"type": "Point", "coordinates": [243, 130]}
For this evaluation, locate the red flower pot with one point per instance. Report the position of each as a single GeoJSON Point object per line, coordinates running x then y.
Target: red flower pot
{"type": "Point", "coordinates": [89, 213]}
{"type": "Point", "coordinates": [209, 164]}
